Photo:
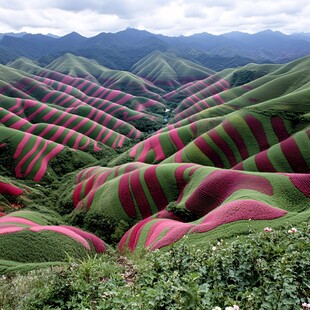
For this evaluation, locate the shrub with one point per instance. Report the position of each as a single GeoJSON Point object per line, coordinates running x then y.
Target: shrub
{"type": "Point", "coordinates": [268, 270]}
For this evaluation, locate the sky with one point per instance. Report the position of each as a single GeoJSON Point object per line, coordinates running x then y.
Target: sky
{"type": "Point", "coordinates": [168, 17]}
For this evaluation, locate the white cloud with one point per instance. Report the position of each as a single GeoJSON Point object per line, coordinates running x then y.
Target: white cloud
{"type": "Point", "coordinates": [169, 17]}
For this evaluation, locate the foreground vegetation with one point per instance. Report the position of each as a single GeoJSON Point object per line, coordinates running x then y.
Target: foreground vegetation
{"type": "Point", "coordinates": [266, 270]}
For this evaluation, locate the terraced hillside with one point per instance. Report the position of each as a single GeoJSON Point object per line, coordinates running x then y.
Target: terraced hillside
{"type": "Point", "coordinates": [202, 154]}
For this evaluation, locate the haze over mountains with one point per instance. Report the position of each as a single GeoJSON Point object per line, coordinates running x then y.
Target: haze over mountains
{"type": "Point", "coordinates": [141, 157]}
{"type": "Point", "coordinates": [123, 49]}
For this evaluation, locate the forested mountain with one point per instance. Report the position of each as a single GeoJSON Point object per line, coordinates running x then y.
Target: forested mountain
{"type": "Point", "coordinates": [123, 49]}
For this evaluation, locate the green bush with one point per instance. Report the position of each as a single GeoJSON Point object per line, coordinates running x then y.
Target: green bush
{"type": "Point", "coordinates": [242, 77]}
{"type": "Point", "coordinates": [268, 270]}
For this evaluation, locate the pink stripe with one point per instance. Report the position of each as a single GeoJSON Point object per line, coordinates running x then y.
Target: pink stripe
{"type": "Point", "coordinates": [17, 220]}
{"type": "Point", "coordinates": [174, 135]}
{"type": "Point", "coordinates": [21, 145]}
{"type": "Point", "coordinates": [36, 158]}
{"type": "Point", "coordinates": [45, 161]}
{"type": "Point", "coordinates": [10, 229]}
{"type": "Point", "coordinates": [108, 136]}
{"type": "Point", "coordinates": [19, 124]}
{"type": "Point", "coordinates": [6, 117]}
{"type": "Point", "coordinates": [64, 231]}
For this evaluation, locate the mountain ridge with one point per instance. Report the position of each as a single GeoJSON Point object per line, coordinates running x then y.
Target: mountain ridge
{"type": "Point", "coordinates": [264, 46]}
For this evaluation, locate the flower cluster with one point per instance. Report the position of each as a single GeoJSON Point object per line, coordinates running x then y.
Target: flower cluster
{"type": "Point", "coordinates": [293, 230]}
{"type": "Point", "coordinates": [267, 229]}
{"type": "Point", "coordinates": [234, 307]}
{"type": "Point", "coordinates": [305, 305]}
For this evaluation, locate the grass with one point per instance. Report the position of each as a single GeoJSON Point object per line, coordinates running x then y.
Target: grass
{"type": "Point", "coordinates": [265, 270]}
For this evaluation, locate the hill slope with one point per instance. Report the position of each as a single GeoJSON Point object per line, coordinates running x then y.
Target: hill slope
{"type": "Point", "coordinates": [168, 71]}
{"type": "Point", "coordinates": [236, 148]}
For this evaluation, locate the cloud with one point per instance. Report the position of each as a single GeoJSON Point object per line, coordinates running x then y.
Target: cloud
{"type": "Point", "coordinates": [169, 17]}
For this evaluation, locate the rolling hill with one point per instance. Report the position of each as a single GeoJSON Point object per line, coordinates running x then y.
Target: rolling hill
{"type": "Point", "coordinates": [140, 159]}
{"type": "Point", "coordinates": [167, 71]}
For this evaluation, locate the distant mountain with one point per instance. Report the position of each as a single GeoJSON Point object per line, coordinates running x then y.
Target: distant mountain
{"type": "Point", "coordinates": [13, 34]}
{"type": "Point", "coordinates": [168, 71]}
{"type": "Point", "coordinates": [123, 49]}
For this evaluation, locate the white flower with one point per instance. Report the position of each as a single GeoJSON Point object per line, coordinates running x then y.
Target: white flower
{"type": "Point", "coordinates": [217, 308]}
{"type": "Point", "coordinates": [234, 307]}
{"type": "Point", "coordinates": [267, 229]}
{"type": "Point", "coordinates": [293, 230]}
{"type": "Point", "coordinates": [213, 248]}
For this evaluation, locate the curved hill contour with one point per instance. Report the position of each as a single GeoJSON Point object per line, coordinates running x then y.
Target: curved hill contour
{"type": "Point", "coordinates": [168, 71]}
{"type": "Point", "coordinates": [234, 151]}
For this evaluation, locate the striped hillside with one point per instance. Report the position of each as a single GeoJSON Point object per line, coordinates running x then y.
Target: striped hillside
{"type": "Point", "coordinates": [27, 236]}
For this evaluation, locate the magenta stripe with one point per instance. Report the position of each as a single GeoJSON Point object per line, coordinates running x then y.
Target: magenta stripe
{"type": "Point", "coordinates": [155, 189]}
{"type": "Point", "coordinates": [174, 135]}
{"type": "Point", "coordinates": [19, 124]}
{"type": "Point", "coordinates": [237, 138]}
{"type": "Point", "coordinates": [258, 131]}
{"type": "Point", "coordinates": [18, 167]}
{"type": "Point", "coordinates": [225, 148]}
{"type": "Point", "coordinates": [45, 161]}
{"type": "Point", "coordinates": [279, 128]}
{"type": "Point", "coordinates": [108, 136]}
{"type": "Point", "coordinates": [263, 163]}
{"type": "Point", "coordinates": [293, 155]}
{"type": "Point", "coordinates": [49, 114]}
{"type": "Point", "coordinates": [37, 157]}
{"type": "Point", "coordinates": [204, 147]}
{"type": "Point", "coordinates": [21, 145]}
{"type": "Point", "coordinates": [125, 196]}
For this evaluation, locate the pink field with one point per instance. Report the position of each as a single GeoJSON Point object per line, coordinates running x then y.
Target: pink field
{"type": "Point", "coordinates": [293, 155]}
{"type": "Point", "coordinates": [237, 138]}
{"type": "Point", "coordinates": [21, 145]}
{"type": "Point", "coordinates": [301, 182]}
{"type": "Point", "coordinates": [221, 184]}
{"type": "Point", "coordinates": [258, 131]}
{"type": "Point", "coordinates": [10, 229]}
{"type": "Point", "coordinates": [135, 234]}
{"type": "Point", "coordinates": [154, 187]}
{"type": "Point", "coordinates": [236, 211]}
{"type": "Point", "coordinates": [172, 236]}
{"type": "Point", "coordinates": [263, 163]}
{"type": "Point", "coordinates": [62, 230]}
{"type": "Point", "coordinates": [204, 147]}
{"type": "Point", "coordinates": [138, 193]}
{"type": "Point", "coordinates": [165, 231]}
{"type": "Point", "coordinates": [218, 140]}
{"type": "Point", "coordinates": [174, 135]}
{"type": "Point", "coordinates": [99, 245]}
{"type": "Point", "coordinates": [279, 128]}
{"type": "Point", "coordinates": [17, 220]}
{"type": "Point", "coordinates": [175, 231]}
{"type": "Point", "coordinates": [6, 188]}
{"type": "Point", "coordinates": [125, 197]}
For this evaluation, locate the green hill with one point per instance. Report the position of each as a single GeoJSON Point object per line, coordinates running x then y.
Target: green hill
{"type": "Point", "coordinates": [167, 71]}
{"type": "Point", "coordinates": [196, 153]}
